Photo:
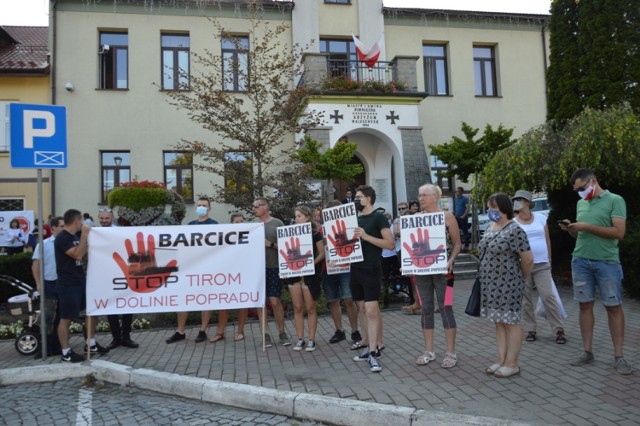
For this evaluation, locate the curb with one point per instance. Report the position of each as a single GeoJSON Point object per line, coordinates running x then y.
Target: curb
{"type": "Point", "coordinates": [335, 411]}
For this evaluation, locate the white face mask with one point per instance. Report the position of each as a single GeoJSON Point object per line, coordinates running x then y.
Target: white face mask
{"type": "Point", "coordinates": [587, 194]}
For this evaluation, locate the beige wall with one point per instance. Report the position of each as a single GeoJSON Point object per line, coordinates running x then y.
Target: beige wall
{"type": "Point", "coordinates": [521, 103]}
{"type": "Point", "coordinates": [22, 183]}
{"type": "Point", "coordinates": [139, 119]}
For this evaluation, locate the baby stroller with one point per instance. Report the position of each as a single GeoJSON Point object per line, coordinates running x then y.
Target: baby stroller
{"type": "Point", "coordinates": [28, 342]}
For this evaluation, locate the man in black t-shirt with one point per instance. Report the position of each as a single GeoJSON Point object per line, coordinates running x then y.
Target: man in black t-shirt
{"type": "Point", "coordinates": [70, 252]}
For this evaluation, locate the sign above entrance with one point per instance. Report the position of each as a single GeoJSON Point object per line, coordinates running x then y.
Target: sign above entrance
{"type": "Point", "coordinates": [365, 115]}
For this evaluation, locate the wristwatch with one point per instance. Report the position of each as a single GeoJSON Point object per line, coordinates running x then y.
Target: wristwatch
{"type": "Point", "coordinates": [272, 244]}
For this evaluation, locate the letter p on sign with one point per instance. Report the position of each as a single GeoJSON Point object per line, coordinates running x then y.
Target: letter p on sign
{"type": "Point", "coordinates": [30, 132]}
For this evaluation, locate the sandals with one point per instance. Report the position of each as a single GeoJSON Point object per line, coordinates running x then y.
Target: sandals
{"type": "Point", "coordinates": [409, 309]}
{"type": "Point", "coordinates": [359, 345]}
{"type": "Point", "coordinates": [239, 337]}
{"type": "Point", "coordinates": [450, 360]}
{"type": "Point", "coordinates": [492, 370]}
{"type": "Point", "coordinates": [425, 358]}
{"type": "Point", "coordinates": [560, 339]}
{"type": "Point", "coordinates": [216, 338]}
{"type": "Point", "coordinates": [531, 337]}
{"type": "Point", "coordinates": [504, 372]}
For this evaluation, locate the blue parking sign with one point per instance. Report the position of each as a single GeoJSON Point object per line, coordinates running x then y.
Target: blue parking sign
{"type": "Point", "coordinates": [38, 136]}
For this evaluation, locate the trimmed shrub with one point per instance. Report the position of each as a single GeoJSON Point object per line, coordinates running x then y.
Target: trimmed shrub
{"type": "Point", "coordinates": [629, 248]}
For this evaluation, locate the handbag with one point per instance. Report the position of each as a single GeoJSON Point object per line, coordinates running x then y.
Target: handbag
{"type": "Point", "coordinates": [473, 305]}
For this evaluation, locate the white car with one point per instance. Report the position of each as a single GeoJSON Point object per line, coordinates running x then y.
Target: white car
{"type": "Point", "coordinates": [540, 205]}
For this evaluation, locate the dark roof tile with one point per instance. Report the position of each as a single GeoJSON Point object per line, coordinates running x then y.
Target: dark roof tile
{"type": "Point", "coordinates": [24, 50]}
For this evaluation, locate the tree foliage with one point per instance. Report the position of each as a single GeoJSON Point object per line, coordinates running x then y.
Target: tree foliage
{"type": "Point", "coordinates": [332, 163]}
{"type": "Point", "coordinates": [252, 127]}
{"type": "Point", "coordinates": [594, 56]}
{"type": "Point", "coordinates": [469, 156]}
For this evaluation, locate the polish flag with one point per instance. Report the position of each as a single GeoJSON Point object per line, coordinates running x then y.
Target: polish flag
{"type": "Point", "coordinates": [369, 57]}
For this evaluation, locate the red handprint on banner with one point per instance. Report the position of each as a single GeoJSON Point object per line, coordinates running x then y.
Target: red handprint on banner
{"type": "Point", "coordinates": [295, 260]}
{"type": "Point", "coordinates": [341, 243]}
{"type": "Point", "coordinates": [422, 256]}
{"type": "Point", "coordinates": [141, 271]}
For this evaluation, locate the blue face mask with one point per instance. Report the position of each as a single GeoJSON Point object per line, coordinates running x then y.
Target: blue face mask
{"type": "Point", "coordinates": [201, 211]}
{"type": "Point", "coordinates": [494, 215]}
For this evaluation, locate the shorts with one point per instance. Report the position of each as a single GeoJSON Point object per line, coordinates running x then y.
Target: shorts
{"type": "Point", "coordinates": [336, 287]}
{"type": "Point", "coordinates": [274, 284]}
{"type": "Point", "coordinates": [365, 283]}
{"type": "Point", "coordinates": [71, 300]}
{"type": "Point", "coordinates": [606, 274]}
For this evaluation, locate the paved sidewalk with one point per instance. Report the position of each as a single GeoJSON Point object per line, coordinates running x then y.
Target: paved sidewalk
{"type": "Point", "coordinates": [548, 391]}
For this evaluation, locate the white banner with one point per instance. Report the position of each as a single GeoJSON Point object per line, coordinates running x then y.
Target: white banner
{"type": "Point", "coordinates": [424, 244]}
{"type": "Point", "coordinates": [24, 217]}
{"type": "Point", "coordinates": [175, 268]}
{"type": "Point", "coordinates": [339, 224]}
{"type": "Point", "coordinates": [295, 254]}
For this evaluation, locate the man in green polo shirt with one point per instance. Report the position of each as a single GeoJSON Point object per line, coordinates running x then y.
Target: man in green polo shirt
{"type": "Point", "coordinates": [600, 224]}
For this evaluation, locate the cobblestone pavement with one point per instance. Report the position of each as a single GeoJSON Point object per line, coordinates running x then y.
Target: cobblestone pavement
{"type": "Point", "coordinates": [548, 391]}
{"type": "Point", "coordinates": [75, 403]}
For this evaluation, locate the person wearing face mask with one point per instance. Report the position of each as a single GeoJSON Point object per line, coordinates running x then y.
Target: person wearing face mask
{"type": "Point", "coordinates": [506, 262]}
{"type": "Point", "coordinates": [535, 225]}
{"type": "Point", "coordinates": [600, 224]}
{"type": "Point", "coordinates": [203, 208]}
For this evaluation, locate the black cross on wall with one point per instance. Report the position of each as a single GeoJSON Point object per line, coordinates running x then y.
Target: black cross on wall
{"type": "Point", "coordinates": [393, 117]}
{"type": "Point", "coordinates": [336, 117]}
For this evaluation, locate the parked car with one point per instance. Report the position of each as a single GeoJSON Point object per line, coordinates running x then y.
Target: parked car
{"type": "Point", "coordinates": [540, 205]}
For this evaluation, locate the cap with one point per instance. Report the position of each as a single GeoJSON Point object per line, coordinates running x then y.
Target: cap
{"type": "Point", "coordinates": [521, 193]}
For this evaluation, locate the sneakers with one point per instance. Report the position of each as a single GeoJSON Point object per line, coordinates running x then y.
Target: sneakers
{"type": "Point", "coordinates": [584, 359]}
{"type": "Point", "coordinates": [364, 356]}
{"type": "Point", "coordinates": [71, 356]}
{"type": "Point", "coordinates": [622, 367]}
{"type": "Point", "coordinates": [374, 365]}
{"type": "Point", "coordinates": [267, 341]}
{"type": "Point", "coordinates": [298, 346]}
{"type": "Point", "coordinates": [97, 349]}
{"type": "Point", "coordinates": [175, 338]}
{"type": "Point", "coordinates": [338, 337]}
{"type": "Point", "coordinates": [356, 337]}
{"type": "Point", "coordinates": [284, 339]}
{"type": "Point", "coordinates": [311, 346]}
{"type": "Point", "coordinates": [202, 336]}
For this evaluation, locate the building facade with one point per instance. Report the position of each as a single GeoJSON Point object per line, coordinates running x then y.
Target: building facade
{"type": "Point", "coordinates": [24, 77]}
{"type": "Point", "coordinates": [120, 59]}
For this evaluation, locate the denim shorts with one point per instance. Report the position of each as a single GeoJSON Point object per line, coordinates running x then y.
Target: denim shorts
{"type": "Point", "coordinates": [336, 287]}
{"type": "Point", "coordinates": [606, 274]}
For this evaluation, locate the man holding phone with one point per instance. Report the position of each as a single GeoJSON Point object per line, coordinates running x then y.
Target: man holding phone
{"type": "Point", "coordinates": [600, 224]}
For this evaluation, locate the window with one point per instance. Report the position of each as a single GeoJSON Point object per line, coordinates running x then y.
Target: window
{"type": "Point", "coordinates": [435, 69]}
{"type": "Point", "coordinates": [11, 204]}
{"type": "Point", "coordinates": [235, 63]}
{"type": "Point", "coordinates": [484, 68]}
{"type": "Point", "coordinates": [178, 173]}
{"type": "Point", "coordinates": [116, 169]}
{"type": "Point", "coordinates": [342, 53]}
{"type": "Point", "coordinates": [238, 175]}
{"type": "Point", "coordinates": [338, 1]}
{"type": "Point", "coordinates": [438, 167]}
{"type": "Point", "coordinates": [175, 61]}
{"type": "Point", "coordinates": [113, 54]}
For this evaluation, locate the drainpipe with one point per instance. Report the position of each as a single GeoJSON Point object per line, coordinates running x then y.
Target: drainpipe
{"type": "Point", "coordinates": [54, 29]}
{"type": "Point", "coordinates": [544, 61]}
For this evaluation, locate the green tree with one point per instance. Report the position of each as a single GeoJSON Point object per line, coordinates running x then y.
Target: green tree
{"type": "Point", "coordinates": [594, 56]}
{"type": "Point", "coordinates": [329, 164]}
{"type": "Point", "coordinates": [250, 105]}
{"type": "Point", "coordinates": [469, 156]}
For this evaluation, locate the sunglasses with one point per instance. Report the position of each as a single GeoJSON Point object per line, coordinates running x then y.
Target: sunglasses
{"type": "Point", "coordinates": [104, 210]}
{"type": "Point", "coordinates": [584, 187]}
{"type": "Point", "coordinates": [402, 208]}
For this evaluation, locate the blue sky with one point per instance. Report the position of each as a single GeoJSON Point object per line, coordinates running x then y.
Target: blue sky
{"type": "Point", "coordinates": [34, 12]}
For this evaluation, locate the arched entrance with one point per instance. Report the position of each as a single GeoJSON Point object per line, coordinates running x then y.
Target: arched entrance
{"type": "Point", "coordinates": [341, 186]}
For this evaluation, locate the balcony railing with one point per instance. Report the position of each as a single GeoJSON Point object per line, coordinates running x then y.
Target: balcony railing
{"type": "Point", "coordinates": [359, 71]}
